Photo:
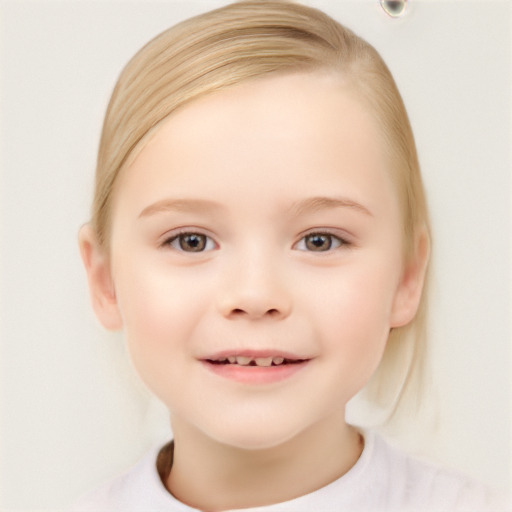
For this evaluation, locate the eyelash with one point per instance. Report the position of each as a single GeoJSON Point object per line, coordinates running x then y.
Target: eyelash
{"type": "Point", "coordinates": [206, 243]}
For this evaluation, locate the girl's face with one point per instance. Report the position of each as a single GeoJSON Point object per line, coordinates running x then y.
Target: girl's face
{"type": "Point", "coordinates": [256, 258]}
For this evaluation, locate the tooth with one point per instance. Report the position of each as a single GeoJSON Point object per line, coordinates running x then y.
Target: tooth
{"type": "Point", "coordinates": [243, 360]}
{"type": "Point", "coordinates": [223, 360]}
{"type": "Point", "coordinates": [278, 360]}
{"type": "Point", "coordinates": [232, 359]}
{"type": "Point", "coordinates": [263, 361]}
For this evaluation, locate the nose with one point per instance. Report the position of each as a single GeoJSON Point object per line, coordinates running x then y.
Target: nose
{"type": "Point", "coordinates": [254, 289]}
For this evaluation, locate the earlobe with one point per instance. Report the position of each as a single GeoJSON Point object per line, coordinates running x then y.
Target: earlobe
{"type": "Point", "coordinates": [101, 286]}
{"type": "Point", "coordinates": [412, 283]}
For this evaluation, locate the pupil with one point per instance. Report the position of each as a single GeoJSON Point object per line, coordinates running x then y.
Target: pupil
{"type": "Point", "coordinates": [193, 243]}
{"type": "Point", "coordinates": [318, 242]}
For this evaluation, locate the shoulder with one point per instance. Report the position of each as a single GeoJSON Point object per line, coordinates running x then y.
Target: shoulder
{"type": "Point", "coordinates": [133, 491]}
{"type": "Point", "coordinates": [414, 484]}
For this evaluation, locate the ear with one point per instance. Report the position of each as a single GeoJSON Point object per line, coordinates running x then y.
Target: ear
{"type": "Point", "coordinates": [101, 286]}
{"type": "Point", "coordinates": [409, 292]}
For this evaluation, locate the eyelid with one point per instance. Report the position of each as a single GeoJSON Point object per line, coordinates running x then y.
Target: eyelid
{"type": "Point", "coordinates": [342, 234]}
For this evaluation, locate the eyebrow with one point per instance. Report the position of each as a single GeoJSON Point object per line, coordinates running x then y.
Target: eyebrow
{"type": "Point", "coordinates": [180, 205]}
{"type": "Point", "coordinates": [309, 205]}
{"type": "Point", "coordinates": [314, 204]}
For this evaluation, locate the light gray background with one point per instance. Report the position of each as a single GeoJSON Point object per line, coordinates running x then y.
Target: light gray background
{"type": "Point", "coordinates": [72, 413]}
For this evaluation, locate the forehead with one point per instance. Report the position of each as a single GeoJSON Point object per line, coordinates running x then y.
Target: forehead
{"type": "Point", "coordinates": [285, 133]}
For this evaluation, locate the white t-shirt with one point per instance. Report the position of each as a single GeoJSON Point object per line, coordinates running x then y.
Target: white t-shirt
{"type": "Point", "coordinates": [383, 479]}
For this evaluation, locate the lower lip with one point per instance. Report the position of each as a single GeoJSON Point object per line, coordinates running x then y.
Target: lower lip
{"type": "Point", "coordinates": [255, 374]}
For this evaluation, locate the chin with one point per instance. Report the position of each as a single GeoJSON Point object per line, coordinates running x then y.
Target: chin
{"type": "Point", "coordinates": [255, 435]}
{"type": "Point", "coordinates": [255, 443]}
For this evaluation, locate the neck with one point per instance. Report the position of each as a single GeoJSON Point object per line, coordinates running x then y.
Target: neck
{"type": "Point", "coordinates": [213, 477]}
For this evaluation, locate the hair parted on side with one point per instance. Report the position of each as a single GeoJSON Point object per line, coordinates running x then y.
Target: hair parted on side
{"type": "Point", "coordinates": [243, 41]}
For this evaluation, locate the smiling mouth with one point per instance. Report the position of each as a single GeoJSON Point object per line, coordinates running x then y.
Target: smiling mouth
{"type": "Point", "coordinates": [264, 362]}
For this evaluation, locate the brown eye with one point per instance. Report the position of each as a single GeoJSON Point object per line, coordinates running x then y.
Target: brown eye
{"type": "Point", "coordinates": [320, 242]}
{"type": "Point", "coordinates": [191, 242]}
{"type": "Point", "coordinates": [317, 242]}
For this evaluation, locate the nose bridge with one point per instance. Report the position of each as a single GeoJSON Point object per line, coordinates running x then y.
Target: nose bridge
{"type": "Point", "coordinates": [254, 285]}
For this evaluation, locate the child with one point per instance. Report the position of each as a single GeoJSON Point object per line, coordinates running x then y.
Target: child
{"type": "Point", "coordinates": [260, 234]}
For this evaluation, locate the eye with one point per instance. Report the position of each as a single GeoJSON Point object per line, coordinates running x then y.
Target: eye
{"type": "Point", "coordinates": [191, 242]}
{"type": "Point", "coordinates": [320, 242]}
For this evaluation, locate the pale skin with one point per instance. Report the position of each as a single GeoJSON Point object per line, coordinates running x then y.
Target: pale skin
{"type": "Point", "coordinates": [261, 220]}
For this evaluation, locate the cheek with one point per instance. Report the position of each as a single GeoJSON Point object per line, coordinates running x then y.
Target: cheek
{"type": "Point", "coordinates": [354, 315]}
{"type": "Point", "coordinates": [359, 297]}
{"type": "Point", "coordinates": [153, 295]}
{"type": "Point", "coordinates": [160, 311]}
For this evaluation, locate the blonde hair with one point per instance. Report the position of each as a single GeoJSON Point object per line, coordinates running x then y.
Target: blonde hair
{"type": "Point", "coordinates": [240, 42]}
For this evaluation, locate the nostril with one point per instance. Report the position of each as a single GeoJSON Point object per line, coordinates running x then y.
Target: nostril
{"type": "Point", "coordinates": [270, 312]}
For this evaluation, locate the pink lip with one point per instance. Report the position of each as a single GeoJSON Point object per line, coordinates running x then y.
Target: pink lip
{"type": "Point", "coordinates": [255, 374]}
